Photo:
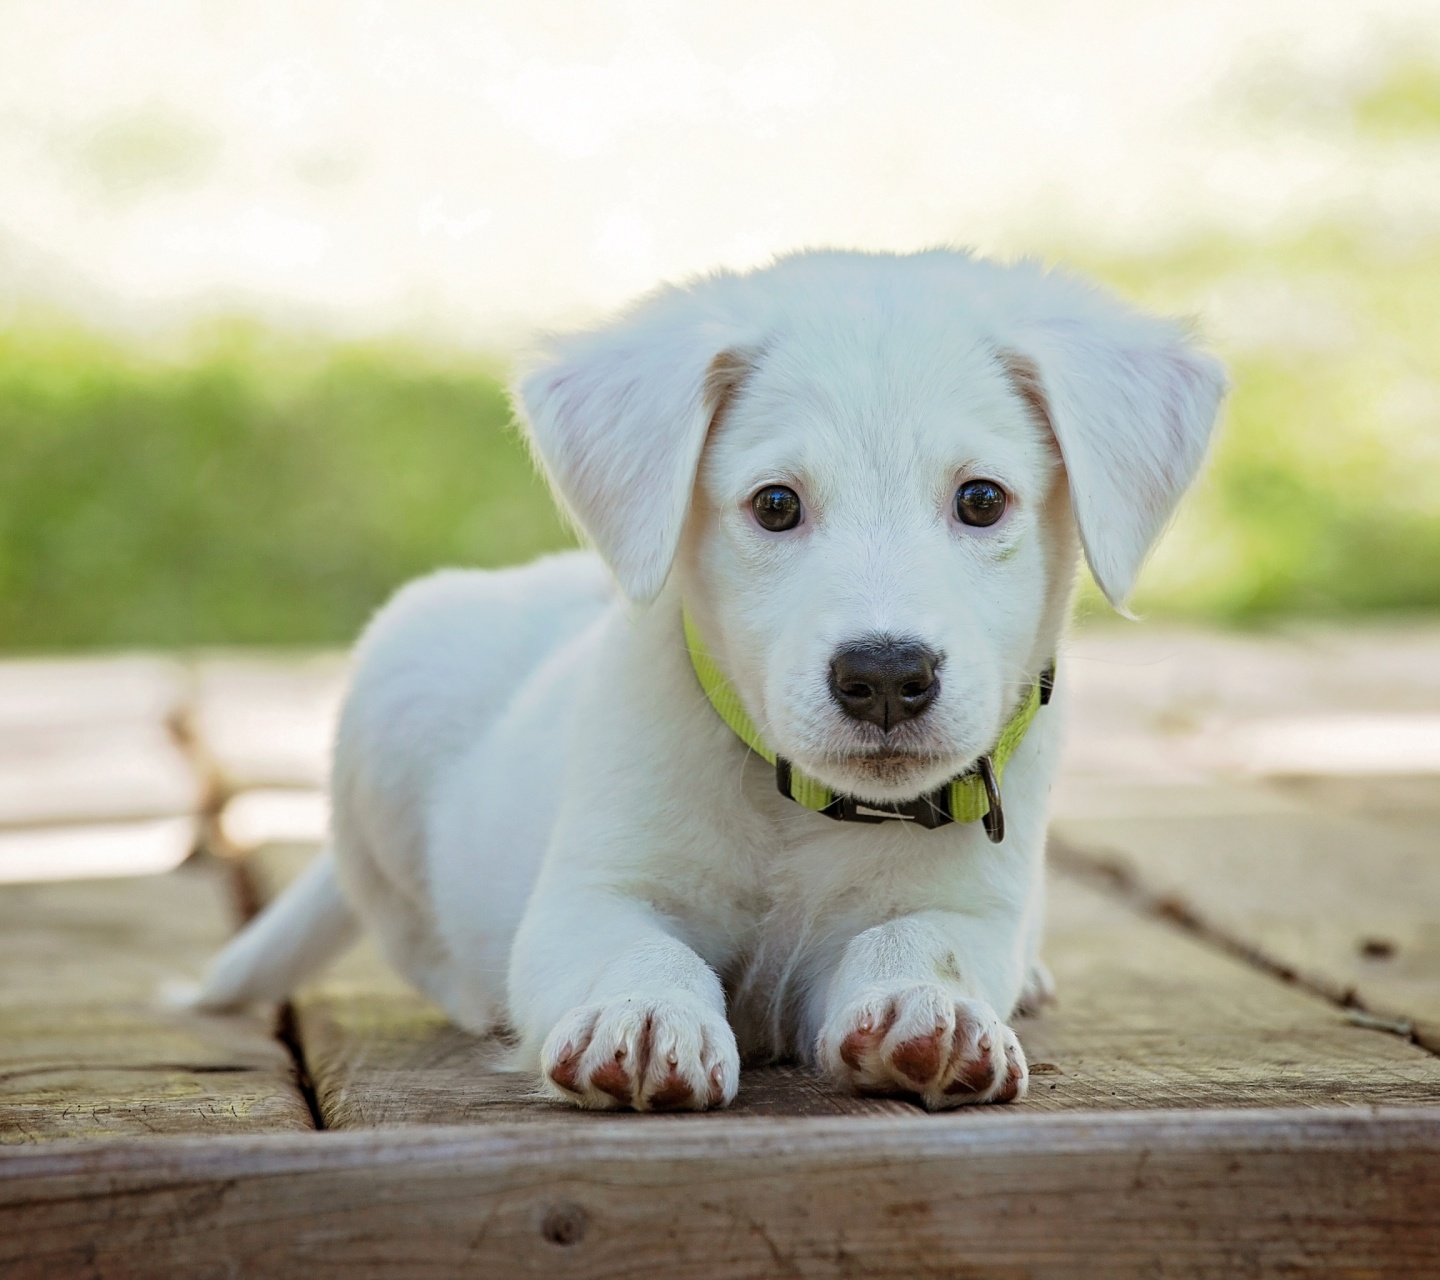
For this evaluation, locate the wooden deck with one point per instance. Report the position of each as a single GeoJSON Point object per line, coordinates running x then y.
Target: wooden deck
{"type": "Point", "coordinates": [1241, 1076]}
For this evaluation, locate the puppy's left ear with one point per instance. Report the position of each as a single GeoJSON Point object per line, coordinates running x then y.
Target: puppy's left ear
{"type": "Point", "coordinates": [619, 417]}
{"type": "Point", "coordinates": [1132, 405]}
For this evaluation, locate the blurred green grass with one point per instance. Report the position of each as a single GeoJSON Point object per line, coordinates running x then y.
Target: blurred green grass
{"type": "Point", "coordinates": [1323, 493]}
{"type": "Point", "coordinates": [262, 489]}
{"type": "Point", "coordinates": [1322, 497]}
{"type": "Point", "coordinates": [256, 490]}
{"type": "Point", "coordinates": [259, 489]}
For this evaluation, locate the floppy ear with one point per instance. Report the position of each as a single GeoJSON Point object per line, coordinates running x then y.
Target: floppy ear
{"type": "Point", "coordinates": [1132, 406]}
{"type": "Point", "coordinates": [618, 417]}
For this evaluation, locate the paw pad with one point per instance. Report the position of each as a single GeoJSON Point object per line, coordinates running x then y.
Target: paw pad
{"type": "Point", "coordinates": [646, 1055]}
{"type": "Point", "coordinates": [923, 1042]}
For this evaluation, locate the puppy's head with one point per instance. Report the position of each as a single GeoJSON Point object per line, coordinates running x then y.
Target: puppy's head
{"type": "Point", "coordinates": [867, 476]}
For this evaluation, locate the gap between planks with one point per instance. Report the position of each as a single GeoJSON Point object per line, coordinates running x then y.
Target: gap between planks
{"type": "Point", "coordinates": [1149, 1018]}
{"type": "Point", "coordinates": [1113, 877]}
{"type": "Point", "coordinates": [248, 903]}
{"type": "Point", "coordinates": [215, 792]}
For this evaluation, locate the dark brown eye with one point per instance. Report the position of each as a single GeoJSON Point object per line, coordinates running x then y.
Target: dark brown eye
{"type": "Point", "coordinates": [777, 508]}
{"type": "Point", "coordinates": [980, 502]}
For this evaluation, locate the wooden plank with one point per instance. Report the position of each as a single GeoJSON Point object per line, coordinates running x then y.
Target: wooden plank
{"type": "Point", "coordinates": [1146, 1019]}
{"type": "Point", "coordinates": [1173, 677]}
{"type": "Point", "coordinates": [48, 693]}
{"type": "Point", "coordinates": [85, 851]}
{"type": "Point", "coordinates": [269, 722]}
{"type": "Point", "coordinates": [90, 740]}
{"type": "Point", "coordinates": [1334, 878]}
{"type": "Point", "coordinates": [1338, 880]}
{"type": "Point", "coordinates": [1193, 1194]}
{"type": "Point", "coordinates": [380, 1055]}
{"type": "Point", "coordinates": [1165, 705]}
{"type": "Point", "coordinates": [379, 1061]}
{"type": "Point", "coordinates": [1149, 1017]}
{"type": "Point", "coordinates": [87, 1048]}
{"type": "Point", "coordinates": [93, 773]}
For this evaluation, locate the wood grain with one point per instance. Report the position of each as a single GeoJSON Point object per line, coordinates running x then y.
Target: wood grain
{"type": "Point", "coordinates": [1147, 1018]}
{"type": "Point", "coordinates": [1193, 1194]}
{"type": "Point", "coordinates": [1190, 1113]}
{"type": "Point", "coordinates": [1336, 879]}
{"type": "Point", "coordinates": [382, 1056]}
{"type": "Point", "coordinates": [87, 1049]}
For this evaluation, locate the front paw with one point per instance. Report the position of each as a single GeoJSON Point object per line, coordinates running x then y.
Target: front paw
{"type": "Point", "coordinates": [923, 1041]}
{"type": "Point", "coordinates": [648, 1053]}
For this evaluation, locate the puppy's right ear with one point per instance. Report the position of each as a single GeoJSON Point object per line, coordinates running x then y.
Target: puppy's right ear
{"type": "Point", "coordinates": [619, 416]}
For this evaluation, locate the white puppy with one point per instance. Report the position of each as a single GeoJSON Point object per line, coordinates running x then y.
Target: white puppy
{"type": "Point", "coordinates": [863, 480]}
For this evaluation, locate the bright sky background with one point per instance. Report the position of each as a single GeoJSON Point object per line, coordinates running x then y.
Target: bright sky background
{"type": "Point", "coordinates": [475, 169]}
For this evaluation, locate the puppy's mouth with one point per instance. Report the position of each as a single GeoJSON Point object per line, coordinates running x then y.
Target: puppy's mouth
{"type": "Point", "coordinates": [889, 762]}
{"type": "Point", "coordinates": [871, 764]}
{"type": "Point", "coordinates": [892, 773]}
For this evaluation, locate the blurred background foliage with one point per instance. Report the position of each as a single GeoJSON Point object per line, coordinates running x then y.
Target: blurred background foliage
{"type": "Point", "coordinates": [255, 490]}
{"type": "Point", "coordinates": [1323, 493]}
{"type": "Point", "coordinates": [268, 488]}
{"type": "Point", "coordinates": [1323, 496]}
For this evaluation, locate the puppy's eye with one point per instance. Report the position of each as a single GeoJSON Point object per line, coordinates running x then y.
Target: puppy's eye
{"type": "Point", "coordinates": [980, 502]}
{"type": "Point", "coordinates": [777, 508]}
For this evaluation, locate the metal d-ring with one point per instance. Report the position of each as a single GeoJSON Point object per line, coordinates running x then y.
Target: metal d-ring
{"type": "Point", "coordinates": [994, 816]}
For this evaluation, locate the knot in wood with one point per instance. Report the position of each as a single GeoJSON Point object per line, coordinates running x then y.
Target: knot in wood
{"type": "Point", "coordinates": [564, 1224]}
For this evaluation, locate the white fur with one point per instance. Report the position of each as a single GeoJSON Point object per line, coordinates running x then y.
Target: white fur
{"type": "Point", "coordinates": [544, 822]}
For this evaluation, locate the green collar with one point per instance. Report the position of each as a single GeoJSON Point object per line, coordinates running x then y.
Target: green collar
{"type": "Point", "coordinates": [970, 797]}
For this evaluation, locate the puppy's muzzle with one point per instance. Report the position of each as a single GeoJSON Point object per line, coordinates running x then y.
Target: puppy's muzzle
{"type": "Point", "coordinates": [884, 681]}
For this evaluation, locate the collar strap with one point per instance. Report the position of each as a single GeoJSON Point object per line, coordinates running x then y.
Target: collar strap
{"type": "Point", "coordinates": [973, 796]}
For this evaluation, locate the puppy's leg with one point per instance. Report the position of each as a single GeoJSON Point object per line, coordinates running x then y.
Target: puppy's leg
{"type": "Point", "coordinates": [623, 1012]}
{"type": "Point", "coordinates": [912, 1010]}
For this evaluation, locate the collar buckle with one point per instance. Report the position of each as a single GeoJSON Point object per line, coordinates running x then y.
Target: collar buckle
{"type": "Point", "coordinates": [929, 811]}
{"type": "Point", "coordinates": [993, 819]}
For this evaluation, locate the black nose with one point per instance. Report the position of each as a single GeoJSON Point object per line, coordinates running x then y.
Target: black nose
{"type": "Point", "coordinates": [884, 681]}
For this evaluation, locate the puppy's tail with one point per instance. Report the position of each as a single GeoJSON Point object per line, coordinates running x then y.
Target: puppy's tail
{"type": "Point", "coordinates": [307, 925]}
